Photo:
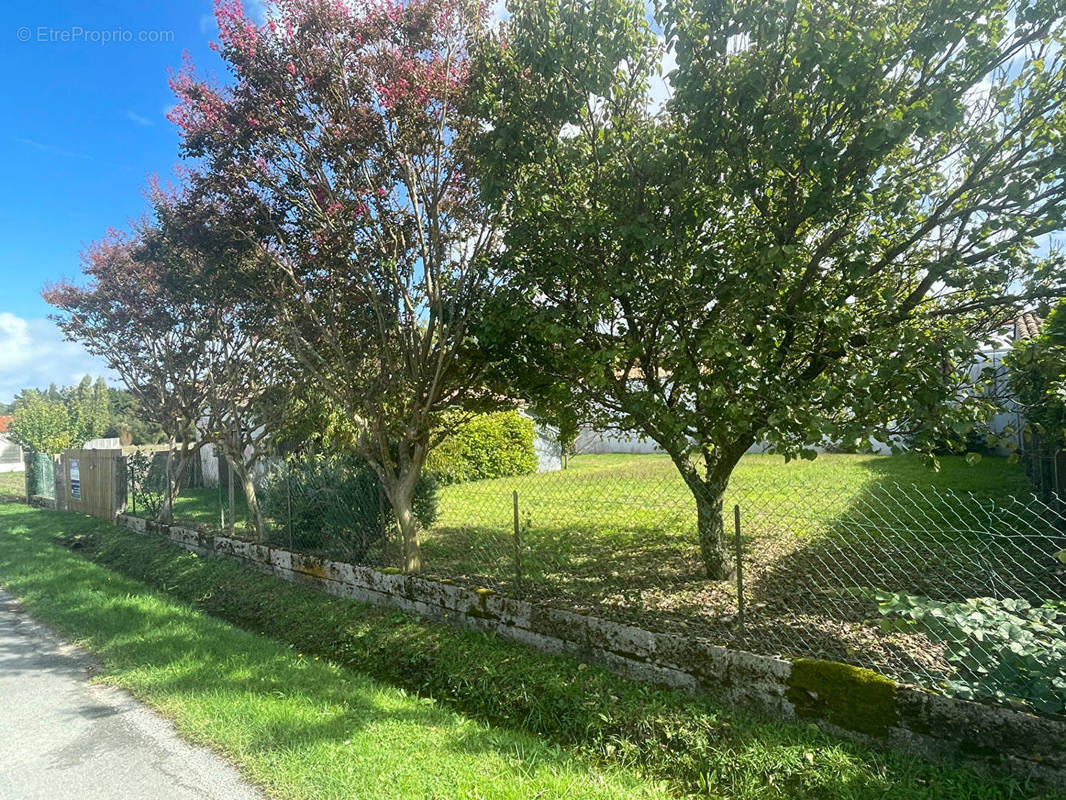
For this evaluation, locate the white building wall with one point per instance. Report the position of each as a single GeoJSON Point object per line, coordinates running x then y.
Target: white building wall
{"type": "Point", "coordinates": [10, 456]}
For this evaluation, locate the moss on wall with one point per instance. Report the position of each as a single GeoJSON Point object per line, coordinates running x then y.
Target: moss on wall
{"type": "Point", "coordinates": [853, 698]}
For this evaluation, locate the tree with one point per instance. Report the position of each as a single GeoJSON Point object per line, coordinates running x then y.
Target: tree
{"type": "Point", "coordinates": [152, 338]}
{"type": "Point", "coordinates": [342, 154]}
{"type": "Point", "coordinates": [41, 424]}
{"type": "Point", "coordinates": [1036, 372]}
{"type": "Point", "coordinates": [88, 406]}
{"type": "Point", "coordinates": [127, 423]}
{"type": "Point", "coordinates": [805, 243]}
{"type": "Point", "coordinates": [247, 370]}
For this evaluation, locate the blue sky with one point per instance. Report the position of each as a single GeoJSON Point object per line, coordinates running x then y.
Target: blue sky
{"type": "Point", "coordinates": [84, 126]}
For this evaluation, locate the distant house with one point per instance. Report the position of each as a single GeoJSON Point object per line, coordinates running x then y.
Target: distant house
{"type": "Point", "coordinates": [1018, 329]}
{"type": "Point", "coordinates": [10, 453]}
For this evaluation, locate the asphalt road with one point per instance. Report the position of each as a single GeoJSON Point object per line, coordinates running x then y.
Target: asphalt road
{"type": "Point", "coordinates": [62, 737]}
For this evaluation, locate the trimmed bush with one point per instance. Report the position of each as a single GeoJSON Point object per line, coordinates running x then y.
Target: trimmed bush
{"type": "Point", "coordinates": [488, 446]}
{"type": "Point", "coordinates": [335, 506]}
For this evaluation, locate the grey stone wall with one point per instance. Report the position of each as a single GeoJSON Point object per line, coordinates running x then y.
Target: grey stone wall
{"type": "Point", "coordinates": [906, 718]}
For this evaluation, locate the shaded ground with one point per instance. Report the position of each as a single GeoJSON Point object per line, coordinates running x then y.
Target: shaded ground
{"type": "Point", "coordinates": [83, 741]}
{"type": "Point", "coordinates": [12, 484]}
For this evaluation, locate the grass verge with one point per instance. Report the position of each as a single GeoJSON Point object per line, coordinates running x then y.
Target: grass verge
{"type": "Point", "coordinates": [299, 726]}
{"type": "Point", "coordinates": [693, 743]}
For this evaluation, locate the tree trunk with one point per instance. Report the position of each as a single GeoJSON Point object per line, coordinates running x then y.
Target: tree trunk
{"type": "Point", "coordinates": [708, 488]}
{"type": "Point", "coordinates": [401, 494]}
{"type": "Point", "coordinates": [166, 510]}
{"type": "Point", "coordinates": [714, 544]}
{"type": "Point", "coordinates": [252, 501]}
{"type": "Point", "coordinates": [174, 482]}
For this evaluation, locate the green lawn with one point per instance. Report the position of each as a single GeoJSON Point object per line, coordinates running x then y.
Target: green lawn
{"type": "Point", "coordinates": [12, 484]}
{"type": "Point", "coordinates": [298, 726]}
{"type": "Point", "coordinates": [615, 535]}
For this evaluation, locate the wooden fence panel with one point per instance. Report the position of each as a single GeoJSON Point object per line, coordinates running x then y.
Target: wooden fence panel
{"type": "Point", "coordinates": [95, 482]}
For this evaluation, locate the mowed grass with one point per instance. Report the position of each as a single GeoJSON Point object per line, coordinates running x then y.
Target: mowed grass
{"type": "Point", "coordinates": [12, 484]}
{"type": "Point", "coordinates": [622, 528]}
{"type": "Point", "coordinates": [630, 517]}
{"type": "Point", "coordinates": [298, 726]}
{"type": "Point", "coordinates": [312, 728]}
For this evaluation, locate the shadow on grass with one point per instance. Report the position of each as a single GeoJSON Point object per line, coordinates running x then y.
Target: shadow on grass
{"type": "Point", "coordinates": [250, 695]}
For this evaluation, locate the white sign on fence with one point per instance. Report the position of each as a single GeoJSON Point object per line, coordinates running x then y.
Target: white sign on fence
{"type": "Point", "coordinates": [75, 479]}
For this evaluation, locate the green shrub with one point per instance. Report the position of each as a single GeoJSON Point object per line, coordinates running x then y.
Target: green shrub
{"type": "Point", "coordinates": [333, 505]}
{"type": "Point", "coordinates": [487, 446]}
{"type": "Point", "coordinates": [1002, 649]}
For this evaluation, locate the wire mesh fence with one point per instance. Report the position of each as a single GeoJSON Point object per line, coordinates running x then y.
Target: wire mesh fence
{"type": "Point", "coordinates": [40, 475]}
{"type": "Point", "coordinates": [957, 590]}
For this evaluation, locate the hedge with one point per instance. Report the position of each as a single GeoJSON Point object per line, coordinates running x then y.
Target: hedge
{"type": "Point", "coordinates": [487, 446]}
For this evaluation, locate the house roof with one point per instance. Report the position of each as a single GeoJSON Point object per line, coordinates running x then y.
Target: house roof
{"type": "Point", "coordinates": [1027, 325]}
{"type": "Point", "coordinates": [5, 422]}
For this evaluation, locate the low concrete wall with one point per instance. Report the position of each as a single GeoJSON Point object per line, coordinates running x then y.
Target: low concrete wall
{"type": "Point", "coordinates": [846, 700]}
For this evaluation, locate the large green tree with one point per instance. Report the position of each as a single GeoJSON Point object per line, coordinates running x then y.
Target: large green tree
{"type": "Point", "coordinates": [41, 423]}
{"type": "Point", "coordinates": [806, 242]}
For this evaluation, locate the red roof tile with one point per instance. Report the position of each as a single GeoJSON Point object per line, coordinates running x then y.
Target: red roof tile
{"type": "Point", "coordinates": [1027, 325]}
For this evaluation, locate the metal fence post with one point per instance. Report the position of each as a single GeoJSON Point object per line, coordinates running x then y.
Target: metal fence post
{"type": "Point", "coordinates": [383, 519]}
{"type": "Point", "coordinates": [517, 546]}
{"type": "Point", "coordinates": [740, 568]}
{"type": "Point", "coordinates": [288, 506]}
{"type": "Point", "coordinates": [218, 483]}
{"type": "Point", "coordinates": [232, 498]}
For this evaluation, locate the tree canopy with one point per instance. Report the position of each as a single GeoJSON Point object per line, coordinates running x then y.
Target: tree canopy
{"type": "Point", "coordinates": [340, 154]}
{"type": "Point", "coordinates": [806, 243]}
{"type": "Point", "coordinates": [1036, 370]}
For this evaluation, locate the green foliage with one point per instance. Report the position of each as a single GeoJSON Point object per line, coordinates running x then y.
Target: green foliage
{"type": "Point", "coordinates": [689, 741]}
{"type": "Point", "coordinates": [854, 698]}
{"type": "Point", "coordinates": [59, 418]}
{"type": "Point", "coordinates": [126, 421]}
{"type": "Point", "coordinates": [809, 238]}
{"type": "Point", "coordinates": [297, 725]}
{"type": "Point", "coordinates": [42, 423]}
{"type": "Point", "coordinates": [486, 446]}
{"type": "Point", "coordinates": [1037, 376]}
{"type": "Point", "coordinates": [147, 483]}
{"type": "Point", "coordinates": [993, 644]}
{"type": "Point", "coordinates": [334, 504]}
{"type": "Point", "coordinates": [88, 404]}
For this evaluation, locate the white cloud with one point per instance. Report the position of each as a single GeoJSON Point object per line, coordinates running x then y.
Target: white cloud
{"type": "Point", "coordinates": [133, 116]}
{"type": "Point", "coordinates": [33, 354]}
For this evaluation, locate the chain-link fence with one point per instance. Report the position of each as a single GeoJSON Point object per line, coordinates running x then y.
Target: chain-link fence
{"type": "Point", "coordinates": [953, 581]}
{"type": "Point", "coordinates": [40, 475]}
{"type": "Point", "coordinates": [1045, 463]}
